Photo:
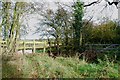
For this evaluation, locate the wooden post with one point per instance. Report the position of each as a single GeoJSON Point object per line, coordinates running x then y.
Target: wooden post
{"type": "Point", "coordinates": [34, 46]}
{"type": "Point", "coordinates": [44, 47]}
{"type": "Point", "coordinates": [0, 48]}
{"type": "Point", "coordinates": [24, 47]}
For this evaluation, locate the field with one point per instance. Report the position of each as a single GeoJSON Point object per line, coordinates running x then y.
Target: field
{"type": "Point", "coordinates": [43, 66]}
{"type": "Point", "coordinates": [60, 39]}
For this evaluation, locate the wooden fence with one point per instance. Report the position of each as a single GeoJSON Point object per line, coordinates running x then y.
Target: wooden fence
{"type": "Point", "coordinates": [103, 47]}
{"type": "Point", "coordinates": [28, 45]}
{"type": "Point", "coordinates": [33, 45]}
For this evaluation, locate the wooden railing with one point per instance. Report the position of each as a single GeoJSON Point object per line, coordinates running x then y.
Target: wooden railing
{"type": "Point", "coordinates": [103, 47]}
{"type": "Point", "coordinates": [28, 45]}
{"type": "Point", "coordinates": [33, 45]}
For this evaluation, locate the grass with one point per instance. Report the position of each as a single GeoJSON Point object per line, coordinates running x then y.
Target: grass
{"type": "Point", "coordinates": [43, 66]}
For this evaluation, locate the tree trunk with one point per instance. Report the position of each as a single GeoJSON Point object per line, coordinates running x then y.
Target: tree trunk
{"type": "Point", "coordinates": [11, 26]}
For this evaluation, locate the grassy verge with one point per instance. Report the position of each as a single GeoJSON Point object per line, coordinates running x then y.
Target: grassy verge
{"type": "Point", "coordinates": [43, 66]}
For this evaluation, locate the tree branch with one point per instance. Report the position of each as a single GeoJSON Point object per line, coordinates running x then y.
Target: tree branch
{"type": "Point", "coordinates": [114, 2]}
{"type": "Point", "coordinates": [95, 2]}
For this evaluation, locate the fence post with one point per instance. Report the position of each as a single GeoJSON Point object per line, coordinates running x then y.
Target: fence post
{"type": "Point", "coordinates": [23, 47]}
{"type": "Point", "coordinates": [44, 47]}
{"type": "Point", "coordinates": [34, 46]}
{"type": "Point", "coordinates": [0, 48]}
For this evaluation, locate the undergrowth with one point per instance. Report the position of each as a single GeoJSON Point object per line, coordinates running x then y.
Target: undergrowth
{"type": "Point", "coordinates": [43, 66]}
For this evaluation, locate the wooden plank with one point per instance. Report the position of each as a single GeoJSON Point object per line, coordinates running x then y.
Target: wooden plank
{"type": "Point", "coordinates": [100, 44]}
{"type": "Point", "coordinates": [24, 47]}
{"type": "Point", "coordinates": [34, 47]}
{"type": "Point", "coordinates": [2, 41]}
{"type": "Point", "coordinates": [38, 42]}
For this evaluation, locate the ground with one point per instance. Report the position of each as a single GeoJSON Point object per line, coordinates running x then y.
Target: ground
{"type": "Point", "coordinates": [43, 66]}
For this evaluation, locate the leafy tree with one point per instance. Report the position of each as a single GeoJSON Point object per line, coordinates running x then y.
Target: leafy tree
{"type": "Point", "coordinates": [77, 25]}
{"type": "Point", "coordinates": [106, 32]}
{"type": "Point", "coordinates": [103, 33]}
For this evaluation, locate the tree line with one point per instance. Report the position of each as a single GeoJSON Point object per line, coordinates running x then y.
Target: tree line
{"type": "Point", "coordinates": [66, 26]}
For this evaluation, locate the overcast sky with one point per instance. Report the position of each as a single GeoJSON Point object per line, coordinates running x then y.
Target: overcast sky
{"type": "Point", "coordinates": [98, 11]}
